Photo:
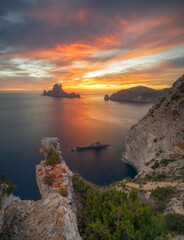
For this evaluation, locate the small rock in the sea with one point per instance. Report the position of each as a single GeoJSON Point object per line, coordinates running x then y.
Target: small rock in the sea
{"type": "Point", "coordinates": [96, 146]}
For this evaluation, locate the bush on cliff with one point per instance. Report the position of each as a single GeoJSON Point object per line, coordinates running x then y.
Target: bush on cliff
{"type": "Point", "coordinates": [162, 195]}
{"type": "Point", "coordinates": [175, 222]}
{"type": "Point", "coordinates": [63, 191]}
{"type": "Point", "coordinates": [9, 187]}
{"type": "Point", "coordinates": [52, 158]}
{"type": "Point", "coordinates": [108, 214]}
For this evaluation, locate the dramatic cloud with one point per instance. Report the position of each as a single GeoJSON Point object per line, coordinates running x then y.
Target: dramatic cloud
{"type": "Point", "coordinates": [90, 44]}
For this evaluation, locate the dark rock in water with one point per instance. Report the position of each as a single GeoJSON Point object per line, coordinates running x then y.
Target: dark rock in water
{"type": "Point", "coordinates": [96, 146]}
{"type": "Point", "coordinates": [106, 98]}
{"type": "Point", "coordinates": [57, 91]}
{"type": "Point", "coordinates": [138, 94]}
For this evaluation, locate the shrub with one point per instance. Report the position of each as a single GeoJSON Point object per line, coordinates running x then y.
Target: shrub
{"type": "Point", "coordinates": [155, 140]}
{"type": "Point", "coordinates": [155, 165]}
{"type": "Point", "coordinates": [164, 162]}
{"type": "Point", "coordinates": [175, 222]}
{"type": "Point", "coordinates": [63, 191]}
{"type": "Point", "coordinates": [128, 179]}
{"type": "Point", "coordinates": [162, 195]}
{"type": "Point", "coordinates": [159, 177]}
{"type": "Point", "coordinates": [52, 158]}
{"type": "Point", "coordinates": [49, 179]}
{"type": "Point", "coordinates": [10, 187]}
{"type": "Point", "coordinates": [109, 214]}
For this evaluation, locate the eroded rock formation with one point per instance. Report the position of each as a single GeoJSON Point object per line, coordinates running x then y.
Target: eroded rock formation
{"type": "Point", "coordinates": [57, 91]}
{"type": "Point", "coordinates": [52, 217]}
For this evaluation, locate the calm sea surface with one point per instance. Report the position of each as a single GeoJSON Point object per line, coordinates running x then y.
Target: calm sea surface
{"type": "Point", "coordinates": [27, 117]}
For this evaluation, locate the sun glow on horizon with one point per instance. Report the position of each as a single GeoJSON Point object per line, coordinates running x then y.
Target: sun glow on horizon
{"type": "Point", "coordinates": [87, 51]}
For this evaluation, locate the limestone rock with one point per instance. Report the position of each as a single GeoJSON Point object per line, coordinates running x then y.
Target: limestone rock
{"type": "Point", "coordinates": [160, 132]}
{"type": "Point", "coordinates": [52, 217]}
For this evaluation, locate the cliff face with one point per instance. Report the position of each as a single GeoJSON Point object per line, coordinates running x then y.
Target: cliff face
{"type": "Point", "coordinates": [137, 94]}
{"type": "Point", "coordinates": [57, 91]}
{"type": "Point", "coordinates": [160, 132]}
{"type": "Point", "coordinates": [52, 217]}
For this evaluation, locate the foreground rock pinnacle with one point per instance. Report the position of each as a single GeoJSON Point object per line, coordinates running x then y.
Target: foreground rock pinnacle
{"type": "Point", "coordinates": [52, 217]}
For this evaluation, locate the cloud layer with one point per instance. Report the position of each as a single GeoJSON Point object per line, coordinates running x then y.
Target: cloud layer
{"type": "Point", "coordinates": [90, 44]}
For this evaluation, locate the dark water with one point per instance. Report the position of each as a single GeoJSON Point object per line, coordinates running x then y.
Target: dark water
{"type": "Point", "coordinates": [27, 117]}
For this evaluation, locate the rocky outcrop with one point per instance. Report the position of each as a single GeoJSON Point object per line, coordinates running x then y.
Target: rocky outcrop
{"type": "Point", "coordinates": [52, 217]}
{"type": "Point", "coordinates": [57, 91]}
{"type": "Point", "coordinates": [160, 132]}
{"type": "Point", "coordinates": [95, 146]}
{"type": "Point", "coordinates": [106, 98]}
{"type": "Point", "coordinates": [137, 94]}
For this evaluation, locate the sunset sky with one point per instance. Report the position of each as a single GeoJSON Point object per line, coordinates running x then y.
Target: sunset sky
{"type": "Point", "coordinates": [90, 45]}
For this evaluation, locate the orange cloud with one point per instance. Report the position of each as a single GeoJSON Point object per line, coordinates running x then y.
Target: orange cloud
{"type": "Point", "coordinates": [130, 42]}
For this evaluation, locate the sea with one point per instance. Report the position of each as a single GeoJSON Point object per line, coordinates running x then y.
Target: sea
{"type": "Point", "coordinates": [26, 117]}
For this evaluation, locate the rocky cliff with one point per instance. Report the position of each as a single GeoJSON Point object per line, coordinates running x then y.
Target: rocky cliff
{"type": "Point", "coordinates": [160, 132]}
{"type": "Point", "coordinates": [137, 94]}
{"type": "Point", "coordinates": [57, 91]}
{"type": "Point", "coordinates": [52, 217]}
{"type": "Point", "coordinates": [155, 147]}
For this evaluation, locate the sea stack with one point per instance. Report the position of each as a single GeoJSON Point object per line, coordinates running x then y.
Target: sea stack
{"type": "Point", "coordinates": [54, 216]}
{"type": "Point", "coordinates": [57, 91]}
{"type": "Point", "coordinates": [106, 98]}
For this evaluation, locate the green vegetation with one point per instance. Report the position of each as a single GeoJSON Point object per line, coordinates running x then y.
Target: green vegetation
{"type": "Point", "coordinates": [175, 222]}
{"type": "Point", "coordinates": [49, 179]}
{"type": "Point", "coordinates": [63, 191]}
{"type": "Point", "coordinates": [9, 187]}
{"type": "Point", "coordinates": [164, 162]}
{"type": "Point", "coordinates": [147, 164]}
{"type": "Point", "coordinates": [175, 97]}
{"type": "Point", "coordinates": [181, 88]}
{"type": "Point", "coordinates": [159, 178]}
{"type": "Point", "coordinates": [107, 214]}
{"type": "Point", "coordinates": [159, 152]}
{"type": "Point", "coordinates": [155, 165]}
{"type": "Point", "coordinates": [162, 196]}
{"type": "Point", "coordinates": [52, 158]}
{"type": "Point", "coordinates": [132, 127]}
{"type": "Point", "coordinates": [155, 140]}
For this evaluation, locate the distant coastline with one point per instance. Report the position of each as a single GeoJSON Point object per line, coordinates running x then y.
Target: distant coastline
{"type": "Point", "coordinates": [138, 94]}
